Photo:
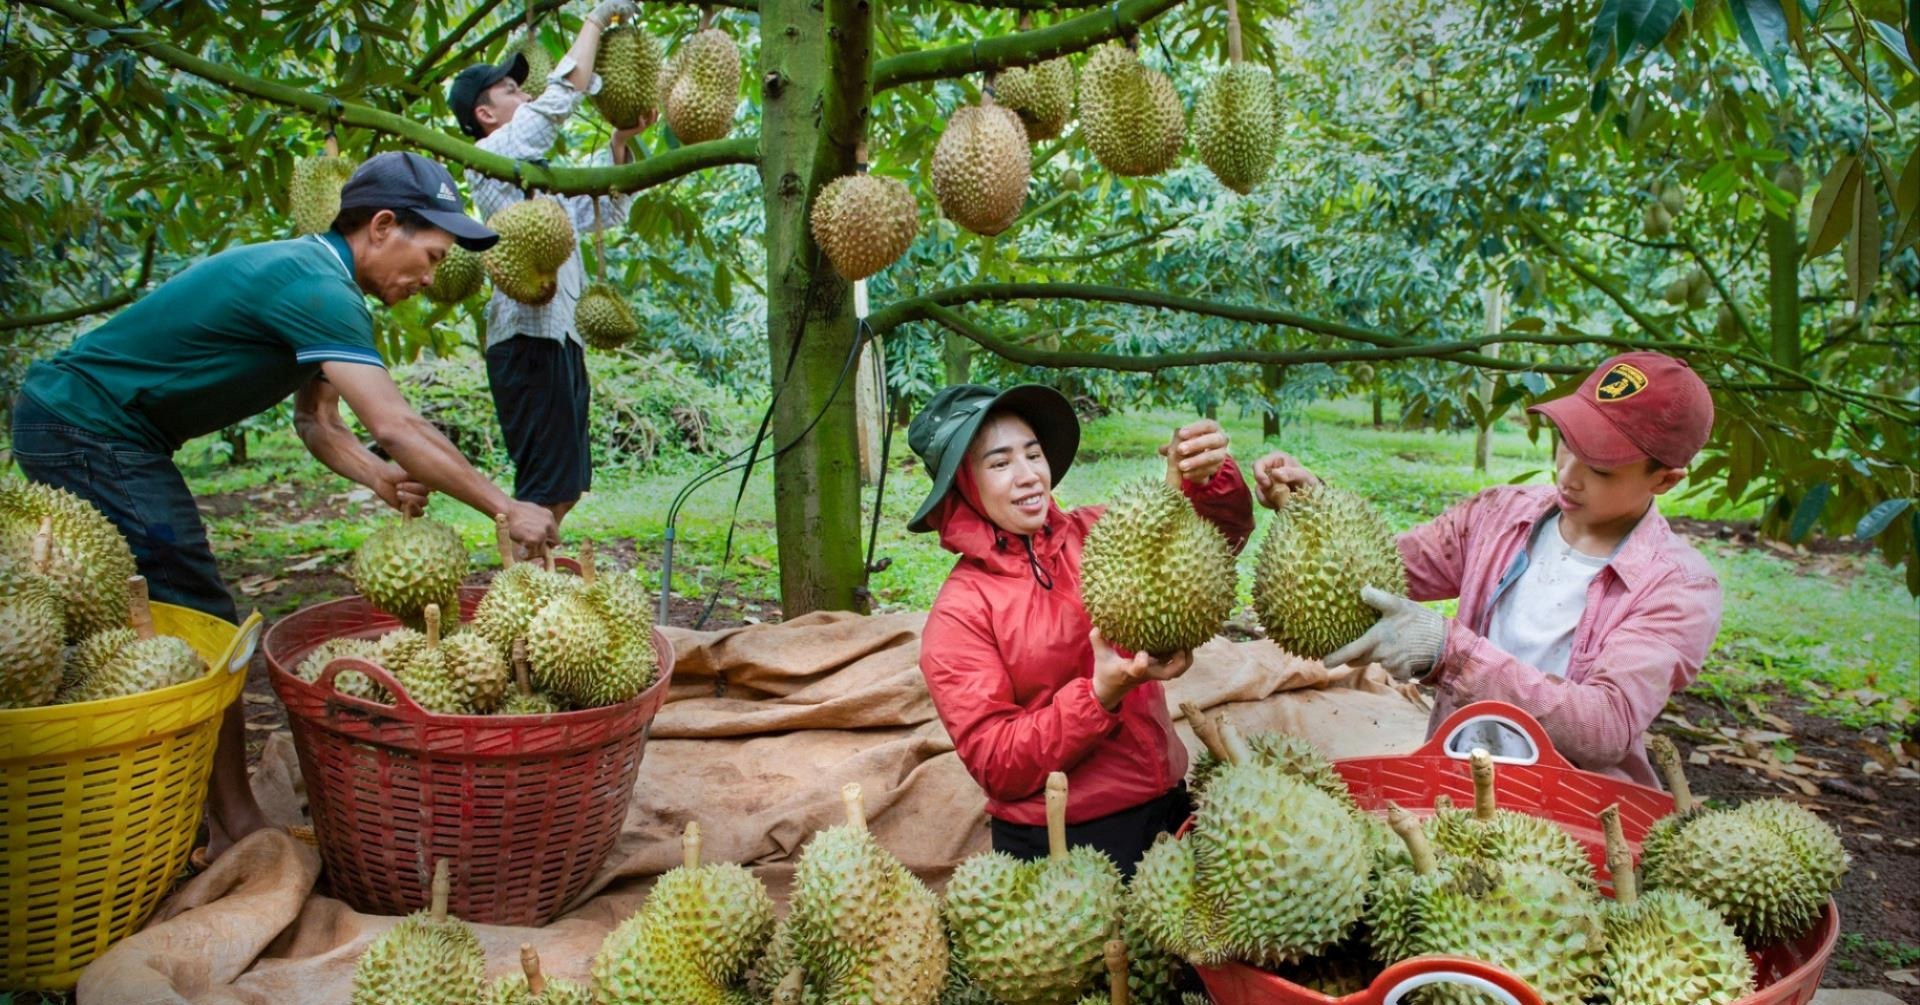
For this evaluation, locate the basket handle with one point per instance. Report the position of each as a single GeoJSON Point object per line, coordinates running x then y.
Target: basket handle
{"type": "Point", "coordinates": [1501, 715]}
{"type": "Point", "coordinates": [245, 641]}
{"type": "Point", "coordinates": [402, 702]}
{"type": "Point", "coordinates": [1421, 971]}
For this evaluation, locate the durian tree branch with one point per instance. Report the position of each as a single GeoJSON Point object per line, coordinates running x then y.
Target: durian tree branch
{"type": "Point", "coordinates": [642, 174]}
{"type": "Point", "coordinates": [425, 70]}
{"type": "Point", "coordinates": [101, 306]}
{"type": "Point", "coordinates": [1020, 48]}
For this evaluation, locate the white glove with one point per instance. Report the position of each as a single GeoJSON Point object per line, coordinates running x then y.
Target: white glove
{"type": "Point", "coordinates": [605, 11]}
{"type": "Point", "coordinates": [1407, 640]}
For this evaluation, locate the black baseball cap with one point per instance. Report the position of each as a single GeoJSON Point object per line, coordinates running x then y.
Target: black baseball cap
{"type": "Point", "coordinates": [474, 81]}
{"type": "Point", "coordinates": [398, 180]}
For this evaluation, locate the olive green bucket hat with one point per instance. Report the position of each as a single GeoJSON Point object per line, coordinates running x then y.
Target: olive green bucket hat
{"type": "Point", "coordinates": [942, 432]}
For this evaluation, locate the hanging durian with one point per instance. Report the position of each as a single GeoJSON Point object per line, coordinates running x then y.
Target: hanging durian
{"type": "Point", "coordinates": [981, 166]}
{"type": "Point", "coordinates": [701, 85]}
{"type": "Point", "coordinates": [426, 959]}
{"type": "Point", "coordinates": [313, 194]}
{"type": "Point", "coordinates": [693, 940]}
{"type": "Point", "coordinates": [1130, 114]}
{"type": "Point", "coordinates": [458, 276]}
{"type": "Point", "coordinates": [864, 223]}
{"type": "Point", "coordinates": [1156, 577]}
{"type": "Point", "coordinates": [629, 69]}
{"type": "Point", "coordinates": [1032, 933]}
{"type": "Point", "coordinates": [1236, 120]}
{"type": "Point", "coordinates": [1322, 547]}
{"type": "Point", "coordinates": [1666, 947]}
{"type": "Point", "coordinates": [1041, 94]}
{"type": "Point", "coordinates": [404, 566]}
{"type": "Point", "coordinates": [536, 239]}
{"type": "Point", "coordinates": [539, 63]}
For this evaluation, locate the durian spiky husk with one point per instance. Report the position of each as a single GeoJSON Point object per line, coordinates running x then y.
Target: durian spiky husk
{"type": "Point", "coordinates": [1285, 751]}
{"type": "Point", "coordinates": [536, 238]}
{"type": "Point", "coordinates": [313, 194]}
{"type": "Point", "coordinates": [404, 566]}
{"type": "Point", "coordinates": [1155, 576]}
{"type": "Point", "coordinates": [1321, 548]}
{"type": "Point", "coordinates": [1669, 947]}
{"type": "Point", "coordinates": [539, 64]}
{"type": "Point", "coordinates": [1041, 94]}
{"type": "Point", "coordinates": [1530, 920]}
{"type": "Point", "coordinates": [459, 276]}
{"type": "Point", "coordinates": [692, 941]}
{"type": "Point", "coordinates": [1746, 871]}
{"type": "Point", "coordinates": [420, 961]}
{"type": "Point", "coordinates": [980, 168]}
{"type": "Point", "coordinates": [1033, 933]}
{"type": "Point", "coordinates": [1236, 126]}
{"type": "Point", "coordinates": [1510, 837]}
{"type": "Point", "coordinates": [568, 643]}
{"type": "Point", "coordinates": [32, 636]}
{"type": "Point", "coordinates": [704, 89]}
{"type": "Point", "coordinates": [629, 69]}
{"type": "Point", "coordinates": [1813, 843]}
{"type": "Point", "coordinates": [512, 990]}
{"type": "Point", "coordinates": [864, 223]}
{"type": "Point", "coordinates": [89, 562]}
{"type": "Point", "coordinates": [517, 594]}
{"type": "Point", "coordinates": [137, 667]}
{"type": "Point", "coordinates": [1130, 114]}
{"type": "Point", "coordinates": [348, 682]}
{"type": "Point", "coordinates": [603, 317]}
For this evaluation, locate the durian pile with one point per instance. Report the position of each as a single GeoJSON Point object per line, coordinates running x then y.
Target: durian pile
{"type": "Point", "coordinates": [75, 623]}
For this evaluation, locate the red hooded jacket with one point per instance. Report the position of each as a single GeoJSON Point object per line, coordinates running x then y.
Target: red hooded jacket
{"type": "Point", "coordinates": [1010, 668]}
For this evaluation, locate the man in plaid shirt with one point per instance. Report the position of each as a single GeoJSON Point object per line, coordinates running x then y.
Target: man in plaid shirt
{"type": "Point", "coordinates": [536, 363]}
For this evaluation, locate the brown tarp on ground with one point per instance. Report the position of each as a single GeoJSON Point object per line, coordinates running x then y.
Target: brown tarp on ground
{"type": "Point", "coordinates": [762, 727]}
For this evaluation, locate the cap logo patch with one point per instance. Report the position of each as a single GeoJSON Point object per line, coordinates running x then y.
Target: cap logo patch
{"type": "Point", "coordinates": [1622, 381]}
{"type": "Point", "coordinates": [446, 194]}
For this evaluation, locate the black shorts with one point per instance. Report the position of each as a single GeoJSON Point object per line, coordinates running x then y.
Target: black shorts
{"type": "Point", "coordinates": [1125, 836]}
{"type": "Point", "coordinates": [540, 391]}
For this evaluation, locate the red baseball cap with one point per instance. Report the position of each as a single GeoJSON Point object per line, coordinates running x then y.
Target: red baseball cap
{"type": "Point", "coordinates": [1634, 406]}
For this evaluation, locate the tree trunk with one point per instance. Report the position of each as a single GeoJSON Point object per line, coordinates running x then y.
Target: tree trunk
{"type": "Point", "coordinates": [814, 112]}
{"type": "Point", "coordinates": [1494, 299]}
{"type": "Point", "coordinates": [1379, 405]}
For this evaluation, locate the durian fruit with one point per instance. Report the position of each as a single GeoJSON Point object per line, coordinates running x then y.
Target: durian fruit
{"type": "Point", "coordinates": [1041, 94]}
{"type": "Point", "coordinates": [522, 699]}
{"type": "Point", "coordinates": [536, 238]}
{"type": "Point", "coordinates": [625, 607]}
{"type": "Point", "coordinates": [1155, 576]}
{"type": "Point", "coordinates": [1698, 286]}
{"type": "Point", "coordinates": [531, 987]}
{"type": "Point", "coordinates": [1033, 933]}
{"type": "Point", "coordinates": [1153, 974]}
{"type": "Point", "coordinates": [693, 940]}
{"type": "Point", "coordinates": [1666, 758]}
{"type": "Point", "coordinates": [1656, 221]}
{"type": "Point", "coordinates": [518, 593]}
{"type": "Point", "coordinates": [603, 317]}
{"type": "Point", "coordinates": [1675, 293]}
{"type": "Point", "coordinates": [629, 69]}
{"type": "Point", "coordinates": [1289, 753]}
{"type": "Point", "coordinates": [349, 682]}
{"type": "Point", "coordinates": [459, 674]}
{"type": "Point", "coordinates": [860, 929]}
{"type": "Point", "coordinates": [1528, 919]}
{"type": "Point", "coordinates": [1322, 547]}
{"type": "Point", "coordinates": [864, 223]}
{"type": "Point", "coordinates": [1115, 955]}
{"type": "Point", "coordinates": [539, 64]}
{"type": "Point", "coordinates": [458, 276]}
{"type": "Point", "coordinates": [403, 567]}
{"type": "Point", "coordinates": [1667, 946]}
{"type": "Point", "coordinates": [426, 959]}
{"type": "Point", "coordinates": [1813, 843]}
{"type": "Point", "coordinates": [1506, 836]}
{"type": "Point", "coordinates": [148, 662]}
{"type": "Point", "coordinates": [1131, 114]}
{"type": "Point", "coordinates": [1274, 870]}
{"type": "Point", "coordinates": [981, 166]}
{"type": "Point", "coordinates": [313, 195]}
{"type": "Point", "coordinates": [1394, 901]}
{"type": "Point", "coordinates": [33, 627]}
{"type": "Point", "coordinates": [704, 88]}
{"type": "Point", "coordinates": [87, 563]}
{"type": "Point", "coordinates": [1236, 120]}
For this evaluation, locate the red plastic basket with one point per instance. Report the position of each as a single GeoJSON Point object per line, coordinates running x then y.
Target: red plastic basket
{"type": "Point", "coordinates": [1542, 783]}
{"type": "Point", "coordinates": [526, 808]}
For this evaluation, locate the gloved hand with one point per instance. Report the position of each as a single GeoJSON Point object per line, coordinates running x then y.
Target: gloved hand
{"type": "Point", "coordinates": [605, 11]}
{"type": "Point", "coordinates": [1407, 640]}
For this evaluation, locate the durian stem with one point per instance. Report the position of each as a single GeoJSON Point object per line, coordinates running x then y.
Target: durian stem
{"type": "Point", "coordinates": [332, 143]}
{"type": "Point", "coordinates": [1235, 55]}
{"type": "Point", "coordinates": [860, 155]}
{"type": "Point", "coordinates": [1667, 756]}
{"type": "Point", "coordinates": [432, 614]}
{"type": "Point", "coordinates": [42, 546]}
{"type": "Point", "coordinates": [690, 845]}
{"type": "Point", "coordinates": [1117, 993]}
{"type": "Point", "coordinates": [707, 15]}
{"type": "Point", "coordinates": [546, 559]}
{"type": "Point", "coordinates": [1619, 857]}
{"type": "Point", "coordinates": [1408, 827]}
{"type": "Point", "coordinates": [520, 668]}
{"type": "Point", "coordinates": [530, 965]}
{"type": "Point", "coordinates": [442, 888]}
{"type": "Point", "coordinates": [1237, 749]}
{"type": "Point", "coordinates": [1206, 729]}
{"type": "Point", "coordinates": [1057, 816]}
{"type": "Point", "coordinates": [1483, 800]}
{"type": "Point", "coordinates": [790, 987]}
{"type": "Point", "coordinates": [856, 807]}
{"type": "Point", "coordinates": [587, 570]}
{"type": "Point", "coordinates": [1442, 803]}
{"type": "Point", "coordinates": [503, 541]}
{"type": "Point", "coordinates": [139, 615]}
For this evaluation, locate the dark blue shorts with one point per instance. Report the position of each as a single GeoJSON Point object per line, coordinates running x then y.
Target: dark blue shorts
{"type": "Point", "coordinates": [140, 492]}
{"type": "Point", "coordinates": [540, 392]}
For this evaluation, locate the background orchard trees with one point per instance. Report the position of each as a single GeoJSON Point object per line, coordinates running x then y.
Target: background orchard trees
{"type": "Point", "coordinates": [1472, 203]}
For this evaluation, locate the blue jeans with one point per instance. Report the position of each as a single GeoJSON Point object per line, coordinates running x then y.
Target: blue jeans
{"type": "Point", "coordinates": [140, 492]}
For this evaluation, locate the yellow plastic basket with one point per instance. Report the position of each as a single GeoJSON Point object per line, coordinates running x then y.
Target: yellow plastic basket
{"type": "Point", "coordinates": [99, 802]}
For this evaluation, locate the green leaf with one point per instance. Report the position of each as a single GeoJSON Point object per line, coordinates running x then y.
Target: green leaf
{"type": "Point", "coordinates": [1763, 27]}
{"type": "Point", "coordinates": [1655, 23]}
{"type": "Point", "coordinates": [1896, 44]}
{"type": "Point", "coordinates": [1604, 26]}
{"type": "Point", "coordinates": [1832, 207]}
{"type": "Point", "coordinates": [1879, 518]}
{"type": "Point", "coordinates": [1808, 512]}
{"type": "Point", "coordinates": [1863, 247]}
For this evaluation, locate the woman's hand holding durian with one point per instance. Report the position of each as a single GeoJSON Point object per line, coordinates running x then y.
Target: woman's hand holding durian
{"type": "Point", "coordinates": [1195, 453]}
{"type": "Point", "coordinates": [1277, 476]}
{"type": "Point", "coordinates": [1114, 675]}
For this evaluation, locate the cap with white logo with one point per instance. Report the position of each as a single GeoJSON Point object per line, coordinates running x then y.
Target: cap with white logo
{"type": "Point", "coordinates": [399, 179]}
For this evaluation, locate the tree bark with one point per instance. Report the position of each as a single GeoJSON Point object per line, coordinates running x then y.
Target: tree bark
{"type": "Point", "coordinates": [1494, 299]}
{"type": "Point", "coordinates": [814, 113]}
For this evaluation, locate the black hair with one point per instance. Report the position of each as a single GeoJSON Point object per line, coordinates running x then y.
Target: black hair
{"type": "Point", "coordinates": [351, 220]}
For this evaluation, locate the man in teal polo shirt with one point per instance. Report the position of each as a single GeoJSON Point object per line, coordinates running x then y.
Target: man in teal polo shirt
{"type": "Point", "coordinates": [229, 338]}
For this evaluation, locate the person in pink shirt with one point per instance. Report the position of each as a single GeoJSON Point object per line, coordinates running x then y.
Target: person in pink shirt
{"type": "Point", "coordinates": [1577, 602]}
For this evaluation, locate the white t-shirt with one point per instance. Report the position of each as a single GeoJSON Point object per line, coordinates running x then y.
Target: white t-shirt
{"type": "Point", "coordinates": [1534, 620]}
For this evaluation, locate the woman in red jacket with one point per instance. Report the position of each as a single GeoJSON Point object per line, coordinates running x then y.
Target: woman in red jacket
{"type": "Point", "coordinates": [1022, 681]}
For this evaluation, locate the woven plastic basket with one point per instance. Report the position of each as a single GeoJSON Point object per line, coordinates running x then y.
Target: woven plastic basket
{"type": "Point", "coordinates": [99, 803]}
{"type": "Point", "coordinates": [1543, 783]}
{"type": "Point", "coordinates": [526, 808]}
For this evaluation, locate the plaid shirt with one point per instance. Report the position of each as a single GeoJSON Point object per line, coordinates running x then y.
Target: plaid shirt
{"type": "Point", "coordinates": [528, 136]}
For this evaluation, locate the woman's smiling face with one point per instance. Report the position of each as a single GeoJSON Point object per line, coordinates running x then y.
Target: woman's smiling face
{"type": "Point", "coordinates": [1010, 471]}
